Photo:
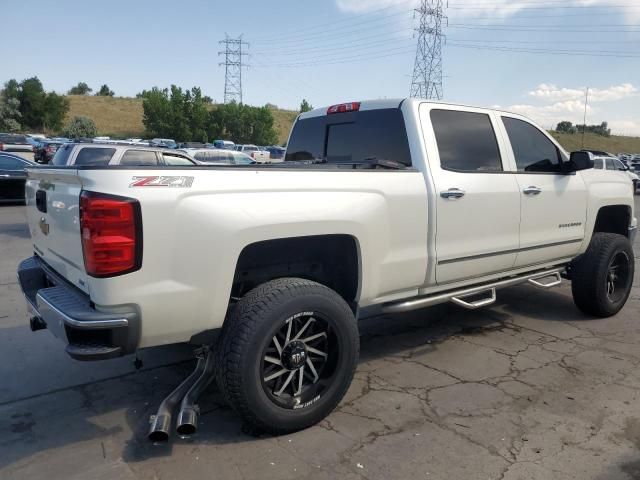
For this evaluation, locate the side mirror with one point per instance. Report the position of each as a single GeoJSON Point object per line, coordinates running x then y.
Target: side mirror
{"type": "Point", "coordinates": [578, 161]}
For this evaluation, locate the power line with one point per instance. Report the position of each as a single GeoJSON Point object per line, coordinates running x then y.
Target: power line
{"type": "Point", "coordinates": [320, 29]}
{"type": "Point", "coordinates": [233, 56]}
{"type": "Point", "coordinates": [427, 69]}
{"type": "Point", "coordinates": [548, 51]}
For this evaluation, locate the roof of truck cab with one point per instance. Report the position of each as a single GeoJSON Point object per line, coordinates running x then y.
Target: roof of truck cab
{"type": "Point", "coordinates": [397, 103]}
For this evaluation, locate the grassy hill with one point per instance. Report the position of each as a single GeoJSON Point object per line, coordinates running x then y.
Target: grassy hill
{"type": "Point", "coordinates": [122, 117]}
{"type": "Point", "coordinates": [612, 144]}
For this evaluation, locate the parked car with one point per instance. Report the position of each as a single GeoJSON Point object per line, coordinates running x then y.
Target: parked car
{"type": "Point", "coordinates": [45, 150]}
{"type": "Point", "coordinates": [224, 144]}
{"type": "Point", "coordinates": [92, 154]}
{"type": "Point", "coordinates": [12, 177]}
{"type": "Point", "coordinates": [384, 207]}
{"type": "Point", "coordinates": [219, 157]}
{"type": "Point", "coordinates": [254, 152]}
{"type": "Point", "coordinates": [12, 142]}
{"type": "Point", "coordinates": [613, 164]}
{"type": "Point", "coordinates": [276, 153]}
{"type": "Point", "coordinates": [163, 142]}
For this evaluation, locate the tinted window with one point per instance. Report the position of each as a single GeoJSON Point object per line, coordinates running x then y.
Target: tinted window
{"type": "Point", "coordinates": [351, 137]}
{"type": "Point", "coordinates": [13, 139]}
{"type": "Point", "coordinates": [534, 152]}
{"type": "Point", "coordinates": [170, 159]}
{"type": "Point", "coordinates": [597, 163]}
{"type": "Point", "coordinates": [466, 141]}
{"type": "Point", "coordinates": [62, 155]}
{"type": "Point", "coordinates": [8, 163]}
{"type": "Point", "coordinates": [139, 158]}
{"type": "Point", "coordinates": [94, 156]}
{"type": "Point", "coordinates": [610, 164]}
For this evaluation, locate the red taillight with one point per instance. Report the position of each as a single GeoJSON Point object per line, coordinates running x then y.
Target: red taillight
{"type": "Point", "coordinates": [343, 108]}
{"type": "Point", "coordinates": [111, 229]}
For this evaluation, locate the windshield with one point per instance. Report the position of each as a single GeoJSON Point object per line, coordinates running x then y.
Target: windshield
{"type": "Point", "coordinates": [354, 137]}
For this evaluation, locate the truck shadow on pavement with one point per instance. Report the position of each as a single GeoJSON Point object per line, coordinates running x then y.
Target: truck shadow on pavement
{"type": "Point", "coordinates": [90, 413]}
{"type": "Point", "coordinates": [420, 331]}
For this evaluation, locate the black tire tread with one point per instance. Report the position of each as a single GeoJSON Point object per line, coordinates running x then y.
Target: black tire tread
{"type": "Point", "coordinates": [587, 275]}
{"type": "Point", "coordinates": [241, 325]}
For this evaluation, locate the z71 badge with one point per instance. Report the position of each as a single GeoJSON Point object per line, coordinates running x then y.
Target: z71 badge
{"type": "Point", "coordinates": [161, 181]}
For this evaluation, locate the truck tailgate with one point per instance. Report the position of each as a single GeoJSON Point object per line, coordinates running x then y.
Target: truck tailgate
{"type": "Point", "coordinates": [53, 213]}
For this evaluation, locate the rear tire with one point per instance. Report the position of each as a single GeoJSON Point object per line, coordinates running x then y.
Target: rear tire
{"type": "Point", "coordinates": [287, 355]}
{"type": "Point", "coordinates": [603, 276]}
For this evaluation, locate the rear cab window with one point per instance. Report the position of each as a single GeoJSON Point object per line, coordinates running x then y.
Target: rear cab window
{"type": "Point", "coordinates": [94, 156]}
{"type": "Point", "coordinates": [351, 137]}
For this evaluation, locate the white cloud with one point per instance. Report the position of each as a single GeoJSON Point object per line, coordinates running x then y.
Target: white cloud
{"type": "Point", "coordinates": [555, 104]}
{"type": "Point", "coordinates": [550, 92]}
{"type": "Point", "coordinates": [495, 8]}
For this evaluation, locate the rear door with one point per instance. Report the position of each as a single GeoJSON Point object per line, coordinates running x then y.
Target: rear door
{"type": "Point", "coordinates": [553, 204]}
{"type": "Point", "coordinates": [53, 212]}
{"type": "Point", "coordinates": [478, 201]}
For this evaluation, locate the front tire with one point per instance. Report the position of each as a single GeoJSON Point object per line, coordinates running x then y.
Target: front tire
{"type": "Point", "coordinates": [287, 355]}
{"type": "Point", "coordinates": [603, 276]}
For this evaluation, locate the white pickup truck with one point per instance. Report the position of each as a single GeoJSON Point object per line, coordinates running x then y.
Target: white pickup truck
{"type": "Point", "coordinates": [380, 207]}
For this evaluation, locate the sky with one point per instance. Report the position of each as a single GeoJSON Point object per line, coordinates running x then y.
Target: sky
{"type": "Point", "coordinates": [535, 57]}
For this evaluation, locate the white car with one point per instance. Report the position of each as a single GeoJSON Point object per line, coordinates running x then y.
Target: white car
{"type": "Point", "coordinates": [382, 206]}
{"type": "Point", "coordinates": [614, 164]}
{"type": "Point", "coordinates": [254, 152]}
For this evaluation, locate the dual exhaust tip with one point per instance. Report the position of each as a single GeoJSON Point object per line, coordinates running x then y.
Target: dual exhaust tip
{"type": "Point", "coordinates": [187, 393]}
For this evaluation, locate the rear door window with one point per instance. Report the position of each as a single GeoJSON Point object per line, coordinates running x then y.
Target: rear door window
{"type": "Point", "coordinates": [139, 158]}
{"type": "Point", "coordinates": [597, 163]}
{"type": "Point", "coordinates": [466, 141]}
{"type": "Point", "coordinates": [610, 164]}
{"type": "Point", "coordinates": [62, 155]}
{"type": "Point", "coordinates": [95, 156]}
{"type": "Point", "coordinates": [351, 137]}
{"type": "Point", "coordinates": [172, 159]}
{"type": "Point", "coordinates": [533, 151]}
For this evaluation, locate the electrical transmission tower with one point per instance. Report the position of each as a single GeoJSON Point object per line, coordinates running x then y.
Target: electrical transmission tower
{"type": "Point", "coordinates": [233, 56]}
{"type": "Point", "coordinates": [427, 70]}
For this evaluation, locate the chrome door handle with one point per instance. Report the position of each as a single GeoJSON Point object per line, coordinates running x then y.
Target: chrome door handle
{"type": "Point", "coordinates": [452, 193]}
{"type": "Point", "coordinates": [532, 191]}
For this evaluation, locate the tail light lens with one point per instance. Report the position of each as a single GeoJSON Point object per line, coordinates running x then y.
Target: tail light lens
{"type": "Point", "coordinates": [111, 229]}
{"type": "Point", "coordinates": [344, 108]}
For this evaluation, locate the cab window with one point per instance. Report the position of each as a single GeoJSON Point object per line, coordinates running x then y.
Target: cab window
{"type": "Point", "coordinates": [533, 151]}
{"type": "Point", "coordinates": [466, 141]}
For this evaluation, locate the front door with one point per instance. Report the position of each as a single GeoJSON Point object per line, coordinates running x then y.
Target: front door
{"type": "Point", "coordinates": [477, 199]}
{"type": "Point", "coordinates": [553, 204]}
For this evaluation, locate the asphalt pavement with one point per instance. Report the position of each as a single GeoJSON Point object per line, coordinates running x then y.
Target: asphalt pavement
{"type": "Point", "coordinates": [528, 388]}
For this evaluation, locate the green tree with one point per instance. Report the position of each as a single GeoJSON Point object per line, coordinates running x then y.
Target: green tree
{"type": "Point", "coordinates": [80, 89]}
{"type": "Point", "coordinates": [105, 91]}
{"type": "Point", "coordinates": [9, 113]}
{"type": "Point", "coordinates": [11, 89]}
{"type": "Point", "coordinates": [305, 106]}
{"type": "Point", "coordinates": [566, 127]}
{"type": "Point", "coordinates": [32, 99]}
{"type": "Point", "coordinates": [80, 127]}
{"type": "Point", "coordinates": [55, 109]}
{"type": "Point", "coordinates": [174, 113]}
{"type": "Point", "coordinates": [243, 124]}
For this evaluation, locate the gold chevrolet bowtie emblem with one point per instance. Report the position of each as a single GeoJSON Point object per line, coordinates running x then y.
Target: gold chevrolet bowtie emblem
{"type": "Point", "coordinates": [44, 226]}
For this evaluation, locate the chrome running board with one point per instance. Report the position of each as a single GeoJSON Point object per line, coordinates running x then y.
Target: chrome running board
{"type": "Point", "coordinates": [458, 296]}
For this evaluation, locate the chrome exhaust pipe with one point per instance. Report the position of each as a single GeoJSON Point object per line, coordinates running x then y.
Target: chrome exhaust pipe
{"type": "Point", "coordinates": [161, 421]}
{"type": "Point", "coordinates": [189, 411]}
